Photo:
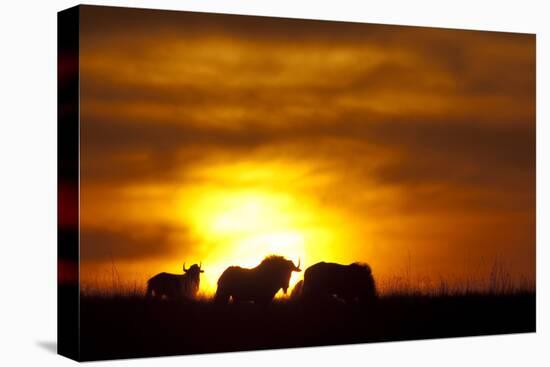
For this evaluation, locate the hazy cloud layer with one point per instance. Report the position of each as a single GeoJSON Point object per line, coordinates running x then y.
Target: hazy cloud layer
{"type": "Point", "coordinates": [105, 245]}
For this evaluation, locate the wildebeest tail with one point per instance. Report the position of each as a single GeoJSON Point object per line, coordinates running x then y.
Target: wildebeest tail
{"type": "Point", "coordinates": [372, 292]}
{"type": "Point", "coordinates": [149, 291]}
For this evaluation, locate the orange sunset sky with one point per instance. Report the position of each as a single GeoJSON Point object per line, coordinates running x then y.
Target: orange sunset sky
{"type": "Point", "coordinates": [223, 139]}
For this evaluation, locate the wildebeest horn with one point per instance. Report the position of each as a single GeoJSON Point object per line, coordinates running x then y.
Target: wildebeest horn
{"type": "Point", "coordinates": [200, 267]}
{"type": "Point", "coordinates": [298, 266]}
{"type": "Point", "coordinates": [184, 270]}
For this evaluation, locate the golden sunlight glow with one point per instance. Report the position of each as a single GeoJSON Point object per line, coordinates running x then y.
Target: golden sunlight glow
{"type": "Point", "coordinates": [241, 227]}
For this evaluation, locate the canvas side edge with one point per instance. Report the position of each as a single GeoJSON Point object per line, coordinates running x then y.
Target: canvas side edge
{"type": "Point", "coordinates": [68, 185]}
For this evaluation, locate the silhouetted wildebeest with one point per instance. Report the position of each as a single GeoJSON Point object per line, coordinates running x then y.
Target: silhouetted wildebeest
{"type": "Point", "coordinates": [175, 285]}
{"type": "Point", "coordinates": [297, 290]}
{"type": "Point", "coordinates": [259, 284]}
{"type": "Point", "coordinates": [323, 281]}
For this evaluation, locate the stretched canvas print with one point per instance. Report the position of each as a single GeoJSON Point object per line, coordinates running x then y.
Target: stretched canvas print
{"type": "Point", "coordinates": [232, 183]}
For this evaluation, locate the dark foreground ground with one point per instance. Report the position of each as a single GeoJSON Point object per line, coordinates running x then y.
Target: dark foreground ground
{"type": "Point", "coordinates": [126, 327]}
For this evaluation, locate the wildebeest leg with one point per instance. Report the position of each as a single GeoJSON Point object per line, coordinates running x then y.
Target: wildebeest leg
{"type": "Point", "coordinates": [319, 298]}
{"type": "Point", "coordinates": [367, 300]}
{"type": "Point", "coordinates": [348, 298]}
{"type": "Point", "coordinates": [221, 297]}
{"type": "Point", "coordinates": [263, 304]}
{"type": "Point", "coordinates": [149, 292]}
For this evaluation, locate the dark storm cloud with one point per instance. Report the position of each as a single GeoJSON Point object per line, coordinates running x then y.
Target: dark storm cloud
{"type": "Point", "coordinates": [474, 153]}
{"type": "Point", "coordinates": [136, 151]}
{"type": "Point", "coordinates": [443, 167]}
{"type": "Point", "coordinates": [117, 20]}
{"type": "Point", "coordinates": [109, 20]}
{"type": "Point", "coordinates": [101, 244]}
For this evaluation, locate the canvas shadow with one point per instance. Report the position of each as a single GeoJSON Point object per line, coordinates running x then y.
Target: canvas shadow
{"type": "Point", "coordinates": [48, 345]}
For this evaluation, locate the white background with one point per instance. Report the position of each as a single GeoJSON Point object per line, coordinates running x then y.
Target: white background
{"type": "Point", "coordinates": [28, 182]}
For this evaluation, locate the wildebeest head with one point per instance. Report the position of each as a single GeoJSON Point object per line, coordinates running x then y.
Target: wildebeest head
{"type": "Point", "coordinates": [280, 270]}
{"type": "Point", "coordinates": [194, 270]}
{"type": "Point", "coordinates": [192, 278]}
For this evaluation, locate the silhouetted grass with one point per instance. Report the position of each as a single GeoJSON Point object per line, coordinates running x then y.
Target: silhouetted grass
{"type": "Point", "coordinates": [496, 280]}
{"type": "Point", "coordinates": [119, 322]}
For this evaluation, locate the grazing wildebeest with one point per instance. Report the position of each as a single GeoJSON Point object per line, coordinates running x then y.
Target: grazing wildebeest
{"type": "Point", "coordinates": [324, 281]}
{"type": "Point", "coordinates": [174, 286]}
{"type": "Point", "coordinates": [297, 290]}
{"type": "Point", "coordinates": [259, 284]}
